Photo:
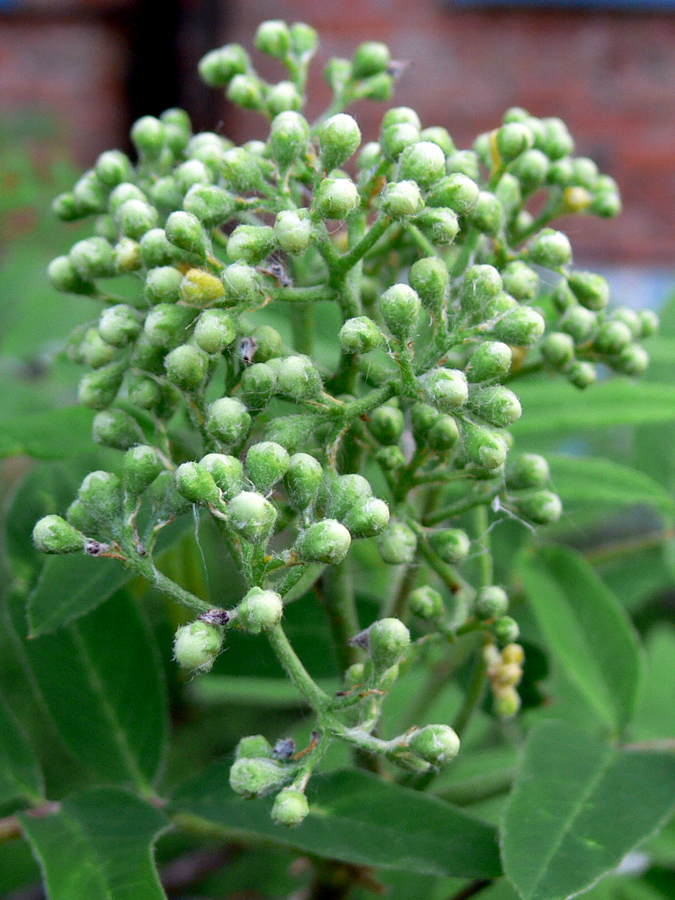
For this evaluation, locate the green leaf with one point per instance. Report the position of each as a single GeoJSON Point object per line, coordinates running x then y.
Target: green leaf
{"type": "Point", "coordinates": [54, 434]}
{"type": "Point", "coordinates": [655, 713]}
{"type": "Point", "coordinates": [20, 776]}
{"type": "Point", "coordinates": [98, 845]}
{"type": "Point", "coordinates": [578, 806]}
{"type": "Point", "coordinates": [354, 817]}
{"type": "Point", "coordinates": [71, 585]}
{"type": "Point", "coordinates": [601, 482]}
{"type": "Point", "coordinates": [102, 683]}
{"type": "Point", "coordinates": [586, 630]}
{"type": "Point", "coordinates": [557, 406]}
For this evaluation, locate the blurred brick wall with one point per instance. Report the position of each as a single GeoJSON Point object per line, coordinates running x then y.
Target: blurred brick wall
{"type": "Point", "coordinates": [610, 76]}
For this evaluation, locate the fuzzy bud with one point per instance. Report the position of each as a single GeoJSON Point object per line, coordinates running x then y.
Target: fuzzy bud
{"type": "Point", "coordinates": [540, 506]}
{"type": "Point", "coordinates": [490, 361]}
{"type": "Point", "coordinates": [299, 378]}
{"type": "Point", "coordinates": [521, 326]}
{"type": "Point", "coordinates": [429, 278]}
{"type": "Point", "coordinates": [266, 463]}
{"type": "Point", "coordinates": [436, 744]}
{"type": "Point", "coordinates": [339, 138]}
{"type": "Point", "coordinates": [140, 466]}
{"type": "Point", "coordinates": [388, 640]}
{"type": "Point", "coordinates": [290, 807]}
{"type": "Point", "coordinates": [529, 470]}
{"type": "Point", "coordinates": [346, 492]}
{"type": "Point", "coordinates": [326, 541]}
{"type": "Point", "coordinates": [557, 348]}
{"type": "Point", "coordinates": [220, 66]}
{"type": "Point", "coordinates": [251, 243]}
{"type": "Point", "coordinates": [254, 746]}
{"type": "Point", "coordinates": [423, 163]}
{"type": "Point", "coordinates": [288, 139]}
{"type": "Point", "coordinates": [65, 278]}
{"type": "Point", "coordinates": [452, 545]}
{"type": "Point", "coordinates": [426, 603]}
{"type": "Point", "coordinates": [550, 249]}
{"type": "Point", "coordinates": [480, 285]}
{"type": "Point", "coordinates": [447, 389]}
{"type": "Point", "coordinates": [302, 479]}
{"type": "Point", "coordinates": [252, 516]}
{"type": "Point", "coordinates": [97, 390]}
{"type": "Point", "coordinates": [368, 519]}
{"type": "Point", "coordinates": [582, 374]}
{"type": "Point", "coordinates": [226, 471]}
{"type": "Point", "coordinates": [185, 231]}
{"type": "Point", "coordinates": [633, 360]}
{"type": "Point", "coordinates": [197, 645]}
{"type": "Point", "coordinates": [488, 214]}
{"type": "Point", "coordinates": [135, 217]}
{"type": "Point", "coordinates": [119, 325]}
{"type": "Point", "coordinates": [579, 323]}
{"type": "Point", "coordinates": [400, 307]}
{"type": "Point", "coordinates": [293, 231]}
{"type": "Point", "coordinates": [397, 544]}
{"type": "Point", "coordinates": [513, 139]}
{"type": "Point", "coordinates": [386, 424]}
{"type": "Point", "coordinates": [258, 385]}
{"type": "Point", "coordinates": [210, 204]}
{"type": "Point", "coordinates": [491, 602]}
{"type": "Point", "coordinates": [397, 137]}
{"type": "Point", "coordinates": [402, 199]}
{"type": "Point", "coordinates": [496, 405]}
{"type": "Point", "coordinates": [335, 198]}
{"type": "Point", "coordinates": [93, 258]}
{"type": "Point", "coordinates": [506, 630]}
{"type": "Point", "coordinates": [229, 421]}
{"type": "Point", "coordinates": [52, 534]}
{"type": "Point", "coordinates": [484, 447]}
{"type": "Point", "coordinates": [215, 330]}
{"type": "Point", "coordinates": [242, 284]}
{"type": "Point", "coordinates": [360, 335]}
{"type": "Point", "coordinates": [256, 777]}
{"type": "Point", "coordinates": [443, 434]}
{"type": "Point", "coordinates": [259, 610]}
{"type": "Point", "coordinates": [186, 367]}
{"type": "Point", "coordinates": [116, 428]}
{"type": "Point", "coordinates": [101, 495]}
{"type": "Point", "coordinates": [194, 482]}
{"type": "Point", "coordinates": [591, 290]}
{"type": "Point", "coordinates": [162, 285]}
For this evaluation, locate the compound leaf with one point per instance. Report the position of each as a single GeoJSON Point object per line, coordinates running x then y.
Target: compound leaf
{"type": "Point", "coordinates": [97, 845]}
{"type": "Point", "coordinates": [577, 807]}
{"type": "Point", "coordinates": [354, 817]}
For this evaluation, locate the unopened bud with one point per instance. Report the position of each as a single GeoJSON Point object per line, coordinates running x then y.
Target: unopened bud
{"type": "Point", "coordinates": [194, 482]}
{"type": "Point", "coordinates": [52, 534]}
{"type": "Point", "coordinates": [447, 389]}
{"type": "Point", "coordinates": [339, 138]}
{"type": "Point", "coordinates": [335, 198]}
{"type": "Point", "coordinates": [229, 421]}
{"type": "Point", "coordinates": [591, 290]}
{"type": "Point", "coordinates": [140, 466]}
{"type": "Point", "coordinates": [540, 506]}
{"type": "Point", "coordinates": [251, 243]}
{"type": "Point", "coordinates": [299, 378]}
{"type": "Point", "coordinates": [397, 544]}
{"type": "Point", "coordinates": [550, 249]}
{"type": "Point", "coordinates": [293, 231]}
{"type": "Point", "coordinates": [496, 405]}
{"type": "Point", "coordinates": [402, 199]}
{"type": "Point", "coordinates": [185, 231]}
{"type": "Point", "coordinates": [252, 516]}
{"type": "Point", "coordinates": [116, 428]}
{"type": "Point", "coordinates": [302, 479]}
{"type": "Point", "coordinates": [360, 335]}
{"type": "Point", "coordinates": [215, 330]}
{"type": "Point", "coordinates": [186, 367]}
{"type": "Point", "coordinates": [452, 545]}
{"type": "Point", "coordinates": [388, 640]}
{"type": "Point", "coordinates": [266, 463]}
{"type": "Point", "coordinates": [400, 307]}
{"type": "Point", "coordinates": [196, 646]}
{"type": "Point", "coordinates": [135, 217]}
{"type": "Point", "coordinates": [488, 214]}
{"type": "Point", "coordinates": [484, 447]}
{"type": "Point", "coordinates": [426, 603]}
{"type": "Point", "coordinates": [226, 471]}
{"type": "Point", "coordinates": [521, 326]}
{"type": "Point", "coordinates": [256, 777]}
{"type": "Point", "coordinates": [367, 519]}
{"type": "Point", "coordinates": [326, 541]}
{"type": "Point", "coordinates": [529, 470]}
{"type": "Point", "coordinates": [436, 744]}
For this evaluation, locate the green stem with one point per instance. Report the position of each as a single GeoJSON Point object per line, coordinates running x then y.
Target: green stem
{"type": "Point", "coordinates": [302, 323]}
{"type": "Point", "coordinates": [313, 294]}
{"type": "Point", "coordinates": [473, 697]}
{"type": "Point", "coordinates": [425, 245]}
{"type": "Point", "coordinates": [482, 541]}
{"type": "Point", "coordinates": [147, 568]}
{"type": "Point", "coordinates": [371, 237]}
{"type": "Point", "coordinates": [467, 251]}
{"type": "Point", "coordinates": [461, 506]}
{"type": "Point", "coordinates": [317, 699]}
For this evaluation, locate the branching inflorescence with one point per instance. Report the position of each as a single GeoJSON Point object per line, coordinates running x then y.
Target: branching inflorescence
{"type": "Point", "coordinates": [434, 259]}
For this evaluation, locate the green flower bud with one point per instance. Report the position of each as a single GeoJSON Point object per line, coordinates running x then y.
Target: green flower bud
{"type": "Point", "coordinates": [119, 325]}
{"type": "Point", "coordinates": [399, 115]}
{"type": "Point", "coordinates": [246, 91]}
{"type": "Point", "coordinates": [360, 335]}
{"type": "Point", "coordinates": [506, 702]}
{"type": "Point", "coordinates": [220, 66]}
{"type": "Point", "coordinates": [196, 646]}
{"type": "Point", "coordinates": [215, 330]}
{"type": "Point", "coordinates": [166, 194]}
{"type": "Point", "coordinates": [484, 447]}
{"type": "Point", "coordinates": [199, 288]}
{"type": "Point", "coordinates": [156, 250]}
{"type": "Point", "coordinates": [241, 169]}
{"type": "Point", "coordinates": [480, 285]}
{"type": "Point", "coordinates": [528, 471]}
{"type": "Point", "coordinates": [226, 471]}
{"type": "Point", "coordinates": [339, 137]}
{"type": "Point", "coordinates": [140, 466]}
{"type": "Point", "coordinates": [400, 307]}
{"type": "Point", "coordinates": [429, 278]}
{"type": "Point", "coordinates": [258, 385]}
{"type": "Point", "coordinates": [177, 121]}
{"type": "Point", "coordinates": [90, 194]}
{"type": "Point", "coordinates": [440, 136]}
{"type": "Point", "coordinates": [576, 200]}
{"type": "Point", "coordinates": [633, 360]}
{"type": "Point", "coordinates": [166, 501]}
{"type": "Point", "coordinates": [451, 544]}
{"type": "Point", "coordinates": [606, 204]}
{"type": "Point", "coordinates": [338, 73]}
{"type": "Point", "coordinates": [426, 603]}
{"type": "Point", "coordinates": [550, 249]}
{"type": "Point", "coordinates": [630, 318]}
{"type": "Point", "coordinates": [463, 162]}
{"type": "Point", "coordinates": [266, 463]}
{"type": "Point", "coordinates": [335, 198]}
{"type": "Point", "coordinates": [93, 258]}
{"type": "Point", "coordinates": [440, 225]}
{"type": "Point", "coordinates": [95, 352]}
{"type": "Point", "coordinates": [436, 744]}
{"type": "Point", "coordinates": [242, 284]}
{"type": "Point", "coordinates": [293, 231]}
{"type": "Point", "coordinates": [252, 516]}
{"type": "Point", "coordinates": [123, 192]}
{"type": "Point", "coordinates": [457, 191]}
{"type": "Point", "coordinates": [254, 746]}
{"type": "Point", "coordinates": [423, 163]}
{"type": "Point", "coordinates": [556, 141]}
{"type": "Point", "coordinates": [402, 199]}
{"type": "Point", "coordinates": [52, 534]}
{"type": "Point", "coordinates": [80, 519]}
{"type": "Point", "coordinates": [398, 544]}
{"type": "Point", "coordinates": [422, 417]}
{"type": "Point", "coordinates": [612, 338]}
{"type": "Point", "coordinates": [355, 674]}
{"type": "Point", "coordinates": [531, 169]}
{"type": "Point", "coordinates": [65, 207]}
{"type": "Point", "coordinates": [304, 39]}
{"type": "Point", "coordinates": [144, 392]}
{"type": "Point", "coordinates": [386, 424]}
{"type": "Point", "coordinates": [259, 610]}
{"type": "Point", "coordinates": [367, 519]}
{"type": "Point", "coordinates": [513, 139]}
{"type": "Point", "coordinates": [299, 378]}
{"type": "Point", "coordinates": [210, 204]}
{"type": "Point", "coordinates": [116, 428]}
{"type": "Point", "coordinates": [520, 326]}
{"type": "Point", "coordinates": [582, 374]}
{"type": "Point", "coordinates": [148, 136]}
{"type": "Point", "coordinates": [290, 807]}
{"type": "Point", "coordinates": [165, 326]}
{"type": "Point", "coordinates": [520, 281]}
{"type": "Point", "coordinates": [390, 459]}
{"type": "Point", "coordinates": [557, 348]}
{"type": "Point", "coordinates": [190, 174]}
{"type": "Point", "coordinates": [135, 217]}
{"type": "Point", "coordinates": [97, 390]}
{"type": "Point", "coordinates": [162, 285]}
{"type": "Point", "coordinates": [302, 480]}
{"type": "Point", "coordinates": [506, 630]}
{"type": "Point", "coordinates": [388, 640]}
{"type": "Point", "coordinates": [561, 172]}
{"type": "Point", "coordinates": [584, 172]}
{"type": "Point", "coordinates": [251, 243]}
{"type": "Point", "coordinates": [326, 541]}
{"type": "Point", "coordinates": [377, 87]}
{"type": "Point", "coordinates": [267, 343]}
{"type": "Point", "coordinates": [488, 214]}
{"type": "Point", "coordinates": [370, 58]}
{"type": "Point", "coordinates": [447, 389]}
{"type": "Point", "coordinates": [273, 38]}
{"type": "Point", "coordinates": [579, 323]}
{"type": "Point", "coordinates": [229, 421]}
{"type": "Point", "coordinates": [194, 482]}
{"type": "Point", "coordinates": [282, 97]}
{"type": "Point", "coordinates": [443, 434]}
{"type": "Point", "coordinates": [509, 194]}
{"type": "Point", "coordinates": [396, 138]}
{"type": "Point", "coordinates": [540, 506]}
{"type": "Point", "coordinates": [347, 492]}
{"type": "Point", "coordinates": [256, 777]}
{"type": "Point", "coordinates": [490, 361]}
{"type": "Point", "coordinates": [491, 602]}
{"type": "Point", "coordinates": [591, 290]}
{"type": "Point", "coordinates": [186, 232]}
{"type": "Point", "coordinates": [102, 496]}
{"type": "Point", "coordinates": [289, 134]}
{"type": "Point", "coordinates": [66, 279]}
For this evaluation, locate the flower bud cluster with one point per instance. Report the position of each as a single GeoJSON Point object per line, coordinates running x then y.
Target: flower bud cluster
{"type": "Point", "coordinates": [505, 671]}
